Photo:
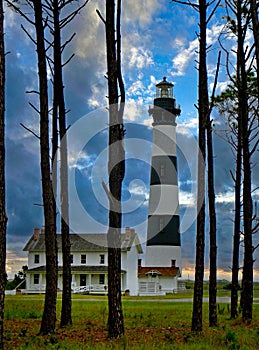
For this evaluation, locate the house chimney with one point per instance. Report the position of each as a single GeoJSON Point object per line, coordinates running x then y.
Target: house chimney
{"type": "Point", "coordinates": [36, 233]}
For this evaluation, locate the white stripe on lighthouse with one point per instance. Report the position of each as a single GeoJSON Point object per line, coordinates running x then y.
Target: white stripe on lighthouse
{"type": "Point", "coordinates": [162, 256]}
{"type": "Point", "coordinates": [163, 200]}
{"type": "Point", "coordinates": [164, 140]}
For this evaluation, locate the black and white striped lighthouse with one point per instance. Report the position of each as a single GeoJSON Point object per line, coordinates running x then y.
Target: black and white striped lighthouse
{"type": "Point", "coordinates": [163, 247]}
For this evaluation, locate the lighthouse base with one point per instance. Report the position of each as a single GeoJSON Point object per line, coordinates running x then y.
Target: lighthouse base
{"type": "Point", "coordinates": [163, 256]}
{"type": "Point", "coordinates": [160, 273]}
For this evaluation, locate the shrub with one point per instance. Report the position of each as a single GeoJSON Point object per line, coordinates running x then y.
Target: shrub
{"type": "Point", "coordinates": [231, 337]}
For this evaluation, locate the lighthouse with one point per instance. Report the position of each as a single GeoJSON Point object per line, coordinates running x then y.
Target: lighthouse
{"type": "Point", "coordinates": [163, 245]}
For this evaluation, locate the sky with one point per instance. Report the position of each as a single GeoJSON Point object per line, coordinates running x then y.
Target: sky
{"type": "Point", "coordinates": [158, 39]}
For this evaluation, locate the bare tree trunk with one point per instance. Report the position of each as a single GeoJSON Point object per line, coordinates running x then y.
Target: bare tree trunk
{"type": "Point", "coordinates": [49, 313]}
{"type": "Point", "coordinates": [203, 113]}
{"type": "Point", "coordinates": [3, 217]}
{"type": "Point", "coordinates": [237, 224]}
{"type": "Point", "coordinates": [247, 283]}
{"type": "Point", "coordinates": [255, 22]}
{"type": "Point", "coordinates": [213, 319]}
{"type": "Point", "coordinates": [116, 169]}
{"type": "Point", "coordinates": [66, 318]}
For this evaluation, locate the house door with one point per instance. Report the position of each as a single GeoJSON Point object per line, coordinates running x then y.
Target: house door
{"type": "Point", "coordinates": [82, 280]}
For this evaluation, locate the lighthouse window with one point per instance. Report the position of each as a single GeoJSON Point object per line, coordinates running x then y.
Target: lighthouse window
{"type": "Point", "coordinates": [162, 169]}
{"type": "Point", "coordinates": [164, 92]}
{"type": "Point", "coordinates": [161, 224]}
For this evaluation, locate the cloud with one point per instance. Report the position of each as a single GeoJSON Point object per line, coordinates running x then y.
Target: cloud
{"type": "Point", "coordinates": [187, 199]}
{"type": "Point", "coordinates": [226, 197]}
{"type": "Point", "coordinates": [185, 128]}
{"type": "Point", "coordinates": [140, 58]}
{"type": "Point", "coordinates": [182, 59]}
{"type": "Point", "coordinates": [185, 55]}
{"type": "Point", "coordinates": [145, 11]}
{"type": "Point", "coordinates": [14, 262]}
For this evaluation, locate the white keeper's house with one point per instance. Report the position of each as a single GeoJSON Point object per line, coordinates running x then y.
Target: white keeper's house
{"type": "Point", "coordinates": [158, 271]}
{"type": "Point", "coordinates": [89, 262]}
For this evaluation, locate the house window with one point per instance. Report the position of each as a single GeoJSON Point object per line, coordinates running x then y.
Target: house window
{"type": "Point", "coordinates": [36, 278]}
{"type": "Point", "coordinates": [71, 258]}
{"type": "Point", "coordinates": [83, 259]}
{"type": "Point", "coordinates": [82, 280]}
{"type": "Point", "coordinates": [173, 263]}
{"type": "Point", "coordinates": [101, 279]}
{"type": "Point", "coordinates": [102, 258]}
{"type": "Point", "coordinates": [36, 259]}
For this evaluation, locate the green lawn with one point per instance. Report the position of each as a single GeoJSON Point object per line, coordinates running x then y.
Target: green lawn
{"type": "Point", "coordinates": [158, 324]}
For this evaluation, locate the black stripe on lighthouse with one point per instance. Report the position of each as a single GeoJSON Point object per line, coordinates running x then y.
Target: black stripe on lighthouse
{"type": "Point", "coordinates": [164, 170]}
{"type": "Point", "coordinates": [163, 230]}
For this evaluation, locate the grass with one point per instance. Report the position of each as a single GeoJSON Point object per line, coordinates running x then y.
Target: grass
{"type": "Point", "coordinates": [163, 325]}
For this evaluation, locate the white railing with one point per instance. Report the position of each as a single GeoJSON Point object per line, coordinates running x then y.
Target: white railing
{"type": "Point", "coordinates": [10, 292]}
{"type": "Point", "coordinates": [91, 289]}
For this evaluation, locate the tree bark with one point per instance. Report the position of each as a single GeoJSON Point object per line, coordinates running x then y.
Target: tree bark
{"type": "Point", "coordinates": [3, 217]}
{"type": "Point", "coordinates": [200, 234]}
{"type": "Point", "coordinates": [247, 283]}
{"type": "Point", "coordinates": [116, 169]}
{"type": "Point", "coordinates": [255, 23]}
{"type": "Point", "coordinates": [66, 318]}
{"type": "Point", "coordinates": [237, 224]}
{"type": "Point", "coordinates": [213, 319]}
{"type": "Point", "coordinates": [49, 314]}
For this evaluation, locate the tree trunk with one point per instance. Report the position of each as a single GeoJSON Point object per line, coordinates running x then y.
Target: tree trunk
{"type": "Point", "coordinates": [255, 22]}
{"type": "Point", "coordinates": [213, 319]}
{"type": "Point", "coordinates": [116, 169]}
{"type": "Point", "coordinates": [66, 318]}
{"type": "Point", "coordinates": [3, 217]}
{"type": "Point", "coordinates": [49, 313]}
{"type": "Point", "coordinates": [247, 283]}
{"type": "Point", "coordinates": [203, 113]}
{"type": "Point", "coordinates": [237, 223]}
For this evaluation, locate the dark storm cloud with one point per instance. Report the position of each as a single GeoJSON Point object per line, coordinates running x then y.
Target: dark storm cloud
{"type": "Point", "coordinates": [22, 162]}
{"type": "Point", "coordinates": [23, 191]}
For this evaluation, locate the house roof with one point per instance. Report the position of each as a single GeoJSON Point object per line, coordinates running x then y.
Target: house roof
{"type": "Point", "coordinates": [161, 271]}
{"type": "Point", "coordinates": [76, 268]}
{"type": "Point", "coordinates": [94, 242]}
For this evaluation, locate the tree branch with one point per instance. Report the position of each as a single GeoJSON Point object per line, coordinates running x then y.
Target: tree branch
{"type": "Point", "coordinates": [32, 132]}
{"type": "Point", "coordinates": [101, 17]}
{"type": "Point", "coordinates": [68, 60]}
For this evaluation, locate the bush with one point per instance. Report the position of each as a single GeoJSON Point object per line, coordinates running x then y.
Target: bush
{"type": "Point", "coordinates": [231, 337]}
